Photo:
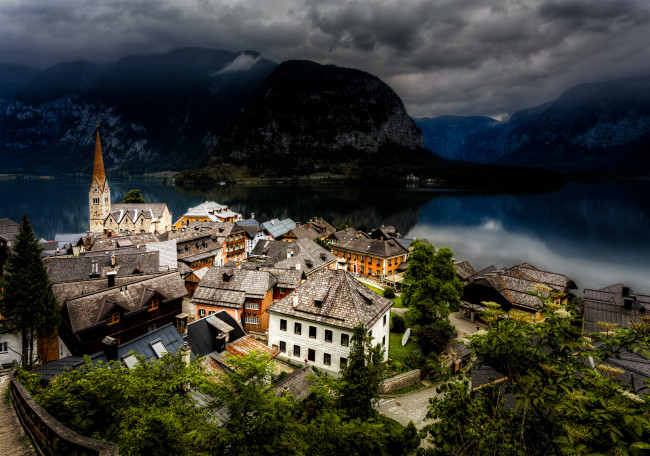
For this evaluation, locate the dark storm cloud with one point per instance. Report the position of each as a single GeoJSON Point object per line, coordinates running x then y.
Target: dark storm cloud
{"type": "Point", "coordinates": [441, 56]}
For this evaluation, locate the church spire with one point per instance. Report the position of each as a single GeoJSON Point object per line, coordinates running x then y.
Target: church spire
{"type": "Point", "coordinates": [98, 167]}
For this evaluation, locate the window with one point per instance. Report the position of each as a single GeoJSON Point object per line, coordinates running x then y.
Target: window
{"type": "Point", "coordinates": [114, 318]}
{"type": "Point", "coordinates": [4, 348]}
{"type": "Point", "coordinates": [328, 335]}
{"type": "Point", "coordinates": [153, 305]}
{"type": "Point", "coordinates": [343, 362]}
{"type": "Point", "coordinates": [201, 313]}
{"type": "Point", "coordinates": [362, 258]}
{"type": "Point", "coordinates": [370, 333]}
{"type": "Point", "coordinates": [361, 270]}
{"type": "Point", "coordinates": [390, 262]}
{"type": "Point", "coordinates": [297, 328]}
{"type": "Point", "coordinates": [384, 321]}
{"type": "Point", "coordinates": [159, 348]}
{"type": "Point", "coordinates": [345, 340]}
{"type": "Point", "coordinates": [296, 351]}
{"type": "Point", "coordinates": [283, 324]}
{"type": "Point", "coordinates": [283, 346]}
{"type": "Point", "coordinates": [252, 320]}
{"type": "Point", "coordinates": [130, 361]}
{"type": "Point", "coordinates": [281, 290]}
{"type": "Point", "coordinates": [355, 258]}
{"type": "Point", "coordinates": [370, 271]}
{"type": "Point", "coordinates": [327, 359]}
{"type": "Point", "coordinates": [378, 262]}
{"type": "Point", "coordinates": [312, 332]}
{"type": "Point", "coordinates": [253, 305]}
{"type": "Point", "coordinates": [212, 312]}
{"type": "Point", "coordinates": [383, 340]}
{"type": "Point", "coordinates": [311, 354]}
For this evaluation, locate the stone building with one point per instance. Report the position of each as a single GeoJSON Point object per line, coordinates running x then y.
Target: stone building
{"type": "Point", "coordinates": [129, 218]}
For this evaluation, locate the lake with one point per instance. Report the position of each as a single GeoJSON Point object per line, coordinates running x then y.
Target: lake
{"type": "Point", "coordinates": [597, 233]}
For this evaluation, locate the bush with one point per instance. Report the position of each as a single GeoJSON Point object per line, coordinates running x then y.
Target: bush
{"type": "Point", "coordinates": [433, 338]}
{"type": "Point", "coordinates": [389, 293]}
{"type": "Point", "coordinates": [399, 325]}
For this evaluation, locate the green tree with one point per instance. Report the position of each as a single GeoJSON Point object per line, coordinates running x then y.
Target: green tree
{"type": "Point", "coordinates": [554, 401]}
{"type": "Point", "coordinates": [133, 196]}
{"type": "Point", "coordinates": [324, 243]}
{"type": "Point", "coordinates": [143, 409]}
{"type": "Point", "coordinates": [28, 300]}
{"type": "Point", "coordinates": [430, 287]}
{"type": "Point", "coordinates": [341, 225]}
{"type": "Point", "coordinates": [362, 374]}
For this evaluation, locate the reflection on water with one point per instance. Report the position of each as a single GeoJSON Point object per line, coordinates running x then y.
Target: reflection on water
{"type": "Point", "coordinates": [597, 233]}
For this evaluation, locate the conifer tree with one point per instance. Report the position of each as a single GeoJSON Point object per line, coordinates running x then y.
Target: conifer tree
{"type": "Point", "coordinates": [28, 299]}
{"type": "Point", "coordinates": [361, 375]}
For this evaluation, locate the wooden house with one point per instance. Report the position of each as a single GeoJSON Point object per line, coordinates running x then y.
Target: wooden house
{"type": "Point", "coordinates": [617, 304]}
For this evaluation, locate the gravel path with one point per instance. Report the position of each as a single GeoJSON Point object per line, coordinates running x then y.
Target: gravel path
{"type": "Point", "coordinates": [12, 437]}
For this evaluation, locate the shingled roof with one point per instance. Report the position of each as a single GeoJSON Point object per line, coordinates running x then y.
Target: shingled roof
{"type": "Point", "coordinates": [71, 269]}
{"type": "Point", "coordinates": [464, 270]}
{"type": "Point", "coordinates": [87, 311]}
{"type": "Point", "coordinates": [120, 242]}
{"type": "Point", "coordinates": [229, 287]}
{"type": "Point", "coordinates": [609, 304]}
{"type": "Point", "coordinates": [385, 249]}
{"type": "Point", "coordinates": [334, 298]}
{"type": "Point", "coordinates": [304, 254]}
{"type": "Point", "coordinates": [9, 229]}
{"type": "Point", "coordinates": [153, 211]}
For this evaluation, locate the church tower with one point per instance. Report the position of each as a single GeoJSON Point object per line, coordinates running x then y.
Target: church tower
{"type": "Point", "coordinates": [99, 196]}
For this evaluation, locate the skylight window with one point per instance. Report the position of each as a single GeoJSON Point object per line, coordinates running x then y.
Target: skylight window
{"type": "Point", "coordinates": [159, 348]}
{"type": "Point", "coordinates": [130, 361]}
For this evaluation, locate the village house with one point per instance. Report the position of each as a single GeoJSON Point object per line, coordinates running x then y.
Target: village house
{"type": "Point", "coordinates": [121, 218]}
{"type": "Point", "coordinates": [346, 234]}
{"type": "Point", "coordinates": [245, 294]}
{"type": "Point", "coordinates": [371, 257]}
{"type": "Point", "coordinates": [276, 228]}
{"type": "Point", "coordinates": [122, 312]}
{"type": "Point", "coordinates": [617, 304]}
{"type": "Point", "coordinates": [313, 326]}
{"type": "Point", "coordinates": [207, 212]}
{"type": "Point", "coordinates": [303, 254]}
{"type": "Point", "coordinates": [385, 232]}
{"type": "Point", "coordinates": [510, 289]}
{"type": "Point", "coordinates": [314, 228]}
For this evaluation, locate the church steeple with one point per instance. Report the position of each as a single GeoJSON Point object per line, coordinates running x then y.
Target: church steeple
{"type": "Point", "coordinates": [99, 197]}
{"type": "Point", "coordinates": [98, 168]}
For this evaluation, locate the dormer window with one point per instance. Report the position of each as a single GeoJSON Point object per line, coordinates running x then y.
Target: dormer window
{"type": "Point", "coordinates": [153, 305]}
{"type": "Point", "coordinates": [114, 318]}
{"type": "Point", "coordinates": [318, 303]}
{"type": "Point", "coordinates": [138, 270]}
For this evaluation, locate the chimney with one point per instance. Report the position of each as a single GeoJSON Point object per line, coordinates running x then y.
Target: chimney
{"type": "Point", "coordinates": [111, 278]}
{"type": "Point", "coordinates": [295, 299]}
{"type": "Point", "coordinates": [298, 267]}
{"type": "Point", "coordinates": [252, 215]}
{"type": "Point", "coordinates": [181, 323]}
{"type": "Point", "coordinates": [110, 348]}
{"type": "Point", "coordinates": [289, 253]}
{"type": "Point", "coordinates": [113, 260]}
{"type": "Point", "coordinates": [185, 356]}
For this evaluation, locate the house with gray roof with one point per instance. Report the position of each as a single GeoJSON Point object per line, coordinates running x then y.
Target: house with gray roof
{"type": "Point", "coordinates": [245, 294]}
{"type": "Point", "coordinates": [372, 257]}
{"type": "Point", "coordinates": [314, 325]}
{"type": "Point", "coordinates": [617, 304]}
{"type": "Point", "coordinates": [276, 228]}
{"type": "Point", "coordinates": [122, 312]}
{"type": "Point", "coordinates": [303, 254]}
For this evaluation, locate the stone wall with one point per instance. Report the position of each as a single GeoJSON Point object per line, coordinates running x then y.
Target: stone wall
{"type": "Point", "coordinates": [400, 381]}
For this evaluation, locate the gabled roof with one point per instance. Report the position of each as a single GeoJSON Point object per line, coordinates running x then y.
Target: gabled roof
{"type": "Point", "coordinates": [347, 234]}
{"type": "Point", "coordinates": [552, 279]}
{"type": "Point", "coordinates": [464, 270]}
{"type": "Point", "coordinates": [374, 247]}
{"type": "Point", "coordinates": [9, 229]}
{"type": "Point", "coordinates": [385, 232]}
{"type": "Point", "coordinates": [277, 228]}
{"type": "Point", "coordinates": [334, 298]}
{"type": "Point", "coordinates": [120, 242]}
{"type": "Point", "coordinates": [229, 287]}
{"type": "Point", "coordinates": [608, 305]}
{"type": "Point", "coordinates": [71, 269]}
{"type": "Point", "coordinates": [167, 252]}
{"type": "Point", "coordinates": [303, 254]}
{"type": "Point", "coordinates": [298, 383]}
{"type": "Point", "coordinates": [154, 211]}
{"type": "Point", "coordinates": [84, 311]}
{"type": "Point", "coordinates": [69, 238]}
{"type": "Point", "coordinates": [248, 222]}
{"type": "Point", "coordinates": [251, 230]}
{"type": "Point", "coordinates": [306, 232]}
{"type": "Point", "coordinates": [202, 333]}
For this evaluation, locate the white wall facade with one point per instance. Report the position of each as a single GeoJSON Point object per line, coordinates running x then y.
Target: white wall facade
{"type": "Point", "coordinates": [335, 349]}
{"type": "Point", "coordinates": [14, 347]}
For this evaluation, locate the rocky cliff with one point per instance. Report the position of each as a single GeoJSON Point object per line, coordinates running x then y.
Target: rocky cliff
{"type": "Point", "coordinates": [317, 118]}
{"type": "Point", "coordinates": [156, 112]}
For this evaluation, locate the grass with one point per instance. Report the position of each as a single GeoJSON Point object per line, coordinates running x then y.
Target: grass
{"type": "Point", "coordinates": [396, 351]}
{"type": "Point", "coordinates": [397, 299]}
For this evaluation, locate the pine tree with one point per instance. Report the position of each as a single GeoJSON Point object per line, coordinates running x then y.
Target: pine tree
{"type": "Point", "coordinates": [28, 299]}
{"type": "Point", "coordinates": [361, 375]}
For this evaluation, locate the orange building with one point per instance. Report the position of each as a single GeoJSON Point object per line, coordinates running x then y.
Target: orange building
{"type": "Point", "coordinates": [371, 257]}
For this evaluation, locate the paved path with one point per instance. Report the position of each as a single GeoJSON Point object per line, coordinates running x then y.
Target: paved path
{"type": "Point", "coordinates": [410, 407]}
{"type": "Point", "coordinates": [13, 441]}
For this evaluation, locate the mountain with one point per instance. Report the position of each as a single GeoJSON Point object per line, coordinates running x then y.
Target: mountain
{"type": "Point", "coordinates": [156, 112]}
{"type": "Point", "coordinates": [314, 118]}
{"type": "Point", "coordinates": [591, 127]}
{"type": "Point", "coordinates": [473, 139]}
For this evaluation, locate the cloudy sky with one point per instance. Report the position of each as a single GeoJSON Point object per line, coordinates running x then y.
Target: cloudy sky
{"type": "Point", "coordinates": [462, 57]}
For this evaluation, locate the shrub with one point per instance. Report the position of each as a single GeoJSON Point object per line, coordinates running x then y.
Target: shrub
{"type": "Point", "coordinates": [399, 325]}
{"type": "Point", "coordinates": [433, 338]}
{"type": "Point", "coordinates": [389, 293]}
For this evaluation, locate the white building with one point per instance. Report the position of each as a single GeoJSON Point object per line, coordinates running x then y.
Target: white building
{"type": "Point", "coordinates": [314, 325]}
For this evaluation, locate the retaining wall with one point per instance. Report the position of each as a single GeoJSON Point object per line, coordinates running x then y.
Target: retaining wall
{"type": "Point", "coordinates": [400, 381]}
